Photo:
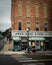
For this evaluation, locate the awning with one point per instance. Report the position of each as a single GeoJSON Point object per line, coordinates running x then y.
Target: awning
{"type": "Point", "coordinates": [37, 38]}
{"type": "Point", "coordinates": [16, 38]}
{"type": "Point", "coordinates": [24, 40]}
{"type": "Point", "coordinates": [30, 38]}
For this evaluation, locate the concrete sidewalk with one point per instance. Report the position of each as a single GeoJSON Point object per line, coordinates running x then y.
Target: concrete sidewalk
{"type": "Point", "coordinates": [13, 52]}
{"type": "Point", "coordinates": [24, 52]}
{"type": "Point", "coordinates": [44, 52]}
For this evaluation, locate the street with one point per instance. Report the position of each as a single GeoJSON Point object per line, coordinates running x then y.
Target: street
{"type": "Point", "coordinates": [25, 59]}
{"type": "Point", "coordinates": [25, 32]}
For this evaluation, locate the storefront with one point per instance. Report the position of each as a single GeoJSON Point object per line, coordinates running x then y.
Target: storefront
{"type": "Point", "coordinates": [48, 43]}
{"type": "Point", "coordinates": [37, 39]}
{"type": "Point", "coordinates": [33, 41]}
{"type": "Point", "coordinates": [16, 44]}
{"type": "Point", "coordinates": [38, 42]}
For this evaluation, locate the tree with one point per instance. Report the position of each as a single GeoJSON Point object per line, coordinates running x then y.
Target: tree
{"type": "Point", "coordinates": [8, 33]}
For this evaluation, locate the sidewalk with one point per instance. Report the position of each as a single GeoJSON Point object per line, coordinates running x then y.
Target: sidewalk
{"type": "Point", "coordinates": [24, 52]}
{"type": "Point", "coordinates": [14, 52]}
{"type": "Point", "coordinates": [6, 47]}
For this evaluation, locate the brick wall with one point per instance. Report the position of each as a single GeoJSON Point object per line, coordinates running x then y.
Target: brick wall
{"type": "Point", "coordinates": [32, 18]}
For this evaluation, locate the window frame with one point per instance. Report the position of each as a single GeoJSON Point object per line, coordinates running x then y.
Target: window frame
{"type": "Point", "coordinates": [19, 25]}
{"type": "Point", "coordinates": [45, 27]}
{"type": "Point", "coordinates": [20, 4]}
{"type": "Point", "coordinates": [37, 26]}
{"type": "Point", "coordinates": [36, 9]}
{"type": "Point", "coordinates": [27, 9]}
{"type": "Point", "coordinates": [28, 25]}
{"type": "Point", "coordinates": [45, 14]}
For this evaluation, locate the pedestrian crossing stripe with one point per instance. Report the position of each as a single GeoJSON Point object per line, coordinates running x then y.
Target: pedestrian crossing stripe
{"type": "Point", "coordinates": [22, 58]}
{"type": "Point", "coordinates": [48, 54]}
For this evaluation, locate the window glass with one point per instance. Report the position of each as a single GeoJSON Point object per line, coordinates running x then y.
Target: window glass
{"type": "Point", "coordinates": [37, 26]}
{"type": "Point", "coordinates": [28, 24]}
{"type": "Point", "coordinates": [19, 25]}
{"type": "Point", "coordinates": [45, 26]}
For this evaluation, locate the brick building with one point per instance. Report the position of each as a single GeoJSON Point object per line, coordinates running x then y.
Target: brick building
{"type": "Point", "coordinates": [34, 15]}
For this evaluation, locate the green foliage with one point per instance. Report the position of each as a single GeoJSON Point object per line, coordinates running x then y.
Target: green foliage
{"type": "Point", "coordinates": [6, 33]}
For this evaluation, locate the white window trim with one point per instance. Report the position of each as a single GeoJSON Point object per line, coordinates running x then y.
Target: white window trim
{"type": "Point", "coordinates": [29, 24]}
{"type": "Point", "coordinates": [28, 9]}
{"type": "Point", "coordinates": [38, 5]}
{"type": "Point", "coordinates": [38, 25]}
{"type": "Point", "coordinates": [20, 13]}
{"type": "Point", "coordinates": [45, 10]}
{"type": "Point", "coordinates": [47, 24]}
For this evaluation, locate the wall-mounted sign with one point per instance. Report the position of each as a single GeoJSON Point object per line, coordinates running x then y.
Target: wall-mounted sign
{"type": "Point", "coordinates": [31, 33]}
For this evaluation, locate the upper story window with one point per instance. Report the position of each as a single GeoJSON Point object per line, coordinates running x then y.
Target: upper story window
{"type": "Point", "coordinates": [45, 10]}
{"type": "Point", "coordinates": [36, 1]}
{"type": "Point", "coordinates": [36, 9]}
{"type": "Point", "coordinates": [28, 9]}
{"type": "Point", "coordinates": [19, 8]}
{"type": "Point", "coordinates": [19, 25]}
{"type": "Point", "coordinates": [28, 24]}
{"type": "Point", "coordinates": [37, 26]}
{"type": "Point", "coordinates": [45, 26]}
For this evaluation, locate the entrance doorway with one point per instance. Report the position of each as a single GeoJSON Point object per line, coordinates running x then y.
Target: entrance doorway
{"type": "Point", "coordinates": [23, 45]}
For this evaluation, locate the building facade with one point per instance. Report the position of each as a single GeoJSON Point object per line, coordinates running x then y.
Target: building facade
{"type": "Point", "coordinates": [34, 15]}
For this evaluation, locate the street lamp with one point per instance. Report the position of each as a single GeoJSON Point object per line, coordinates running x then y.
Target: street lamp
{"type": "Point", "coordinates": [28, 39]}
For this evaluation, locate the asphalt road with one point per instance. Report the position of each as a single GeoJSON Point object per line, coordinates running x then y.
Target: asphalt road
{"type": "Point", "coordinates": [38, 56]}
{"type": "Point", "coordinates": [26, 59]}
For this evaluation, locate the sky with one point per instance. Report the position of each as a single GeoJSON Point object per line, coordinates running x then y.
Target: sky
{"type": "Point", "coordinates": [5, 14]}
